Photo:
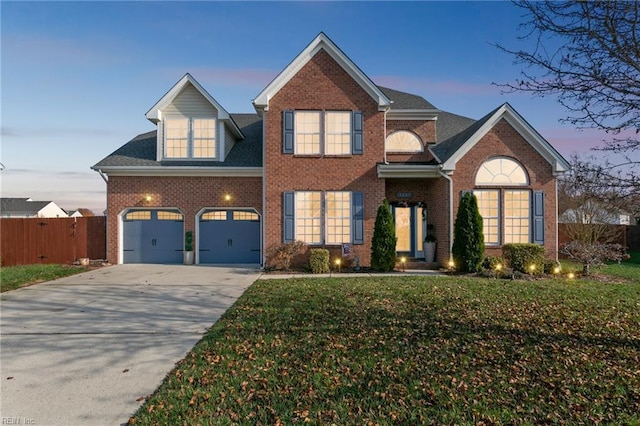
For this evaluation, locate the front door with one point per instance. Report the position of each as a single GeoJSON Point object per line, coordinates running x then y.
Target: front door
{"type": "Point", "coordinates": [410, 228]}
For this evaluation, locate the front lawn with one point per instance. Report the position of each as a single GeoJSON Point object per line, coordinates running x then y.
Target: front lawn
{"type": "Point", "coordinates": [12, 277]}
{"type": "Point", "coordinates": [413, 350]}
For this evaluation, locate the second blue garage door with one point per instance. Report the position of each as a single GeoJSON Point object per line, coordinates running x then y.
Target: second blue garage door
{"type": "Point", "coordinates": [229, 236]}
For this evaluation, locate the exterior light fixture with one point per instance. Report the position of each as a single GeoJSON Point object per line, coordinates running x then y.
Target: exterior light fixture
{"type": "Point", "coordinates": [403, 260]}
{"type": "Point", "coordinates": [556, 270]}
{"type": "Point", "coordinates": [571, 275]}
{"type": "Point", "coordinates": [532, 268]}
{"type": "Point", "coordinates": [452, 264]}
{"type": "Point", "coordinates": [227, 197]}
{"type": "Point", "coordinates": [338, 262]}
{"type": "Point", "coordinates": [498, 267]}
{"type": "Point", "coordinates": [148, 197]}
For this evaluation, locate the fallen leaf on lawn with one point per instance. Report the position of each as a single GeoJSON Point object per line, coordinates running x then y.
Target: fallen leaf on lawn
{"type": "Point", "coordinates": [10, 377]}
{"type": "Point", "coordinates": [126, 370]}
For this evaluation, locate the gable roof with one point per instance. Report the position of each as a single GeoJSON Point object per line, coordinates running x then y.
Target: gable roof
{"type": "Point", "coordinates": [140, 152]}
{"type": "Point", "coordinates": [320, 42]}
{"type": "Point", "coordinates": [22, 205]}
{"type": "Point", "coordinates": [454, 148]}
{"type": "Point", "coordinates": [154, 115]}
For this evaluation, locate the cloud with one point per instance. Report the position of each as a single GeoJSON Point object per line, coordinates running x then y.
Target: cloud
{"type": "Point", "coordinates": [54, 132]}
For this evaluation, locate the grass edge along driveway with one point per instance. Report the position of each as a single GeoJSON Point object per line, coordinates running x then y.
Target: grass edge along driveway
{"type": "Point", "coordinates": [14, 277]}
{"type": "Point", "coordinates": [411, 350]}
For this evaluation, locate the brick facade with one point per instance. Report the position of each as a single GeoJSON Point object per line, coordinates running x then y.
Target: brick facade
{"type": "Point", "coordinates": [322, 84]}
{"type": "Point", "coordinates": [504, 140]}
{"type": "Point", "coordinates": [424, 129]}
{"type": "Point", "coordinates": [189, 194]}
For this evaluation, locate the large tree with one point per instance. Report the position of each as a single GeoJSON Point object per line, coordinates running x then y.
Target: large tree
{"type": "Point", "coordinates": [587, 53]}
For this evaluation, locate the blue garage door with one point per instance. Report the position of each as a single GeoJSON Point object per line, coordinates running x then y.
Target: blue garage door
{"type": "Point", "coordinates": [229, 236]}
{"type": "Point", "coordinates": [153, 236]}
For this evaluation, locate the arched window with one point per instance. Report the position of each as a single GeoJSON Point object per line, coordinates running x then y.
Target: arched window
{"type": "Point", "coordinates": [505, 211]}
{"type": "Point", "coordinates": [403, 141]}
{"type": "Point", "coordinates": [501, 171]}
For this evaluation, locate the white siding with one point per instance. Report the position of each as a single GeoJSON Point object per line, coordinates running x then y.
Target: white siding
{"type": "Point", "coordinates": [190, 103]}
{"type": "Point", "coordinates": [229, 141]}
{"type": "Point", "coordinates": [51, 210]}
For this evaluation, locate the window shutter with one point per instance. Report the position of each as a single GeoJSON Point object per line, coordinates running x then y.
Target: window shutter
{"type": "Point", "coordinates": [288, 222]}
{"type": "Point", "coordinates": [538, 217]}
{"type": "Point", "coordinates": [357, 144]}
{"type": "Point", "coordinates": [357, 218]}
{"type": "Point", "coordinates": [287, 132]}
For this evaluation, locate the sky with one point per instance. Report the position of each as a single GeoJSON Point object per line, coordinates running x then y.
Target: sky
{"type": "Point", "coordinates": [78, 77]}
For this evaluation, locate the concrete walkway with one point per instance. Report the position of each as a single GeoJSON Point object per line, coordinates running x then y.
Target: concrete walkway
{"type": "Point", "coordinates": [81, 350]}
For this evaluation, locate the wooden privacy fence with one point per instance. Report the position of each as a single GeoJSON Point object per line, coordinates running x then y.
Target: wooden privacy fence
{"type": "Point", "coordinates": [52, 240]}
{"type": "Point", "coordinates": [628, 236]}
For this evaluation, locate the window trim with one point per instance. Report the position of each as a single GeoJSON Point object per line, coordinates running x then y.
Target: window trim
{"type": "Point", "coordinates": [323, 217]}
{"type": "Point", "coordinates": [191, 139]}
{"type": "Point", "coordinates": [322, 134]}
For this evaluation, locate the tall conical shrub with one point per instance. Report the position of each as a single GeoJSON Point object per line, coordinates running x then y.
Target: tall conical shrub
{"type": "Point", "coordinates": [468, 238]}
{"type": "Point", "coordinates": [383, 245]}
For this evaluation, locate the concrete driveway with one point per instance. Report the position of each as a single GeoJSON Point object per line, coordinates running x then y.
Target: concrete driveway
{"type": "Point", "coordinates": [82, 350]}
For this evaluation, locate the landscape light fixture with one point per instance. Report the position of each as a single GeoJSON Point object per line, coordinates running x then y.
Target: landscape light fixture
{"type": "Point", "coordinates": [571, 275]}
{"type": "Point", "coordinates": [403, 260]}
{"type": "Point", "coordinates": [338, 262]}
{"type": "Point", "coordinates": [556, 270]}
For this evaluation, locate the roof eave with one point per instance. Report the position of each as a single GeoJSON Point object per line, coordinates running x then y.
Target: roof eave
{"type": "Point", "coordinates": [388, 171]}
{"type": "Point", "coordinates": [179, 171]}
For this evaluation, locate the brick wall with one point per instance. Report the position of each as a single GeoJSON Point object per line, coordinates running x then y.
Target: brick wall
{"type": "Point", "coordinates": [189, 194]}
{"type": "Point", "coordinates": [322, 84]}
{"type": "Point", "coordinates": [504, 140]}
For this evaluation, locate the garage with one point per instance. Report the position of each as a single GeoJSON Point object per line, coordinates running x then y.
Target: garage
{"type": "Point", "coordinates": [229, 236]}
{"type": "Point", "coordinates": [153, 236]}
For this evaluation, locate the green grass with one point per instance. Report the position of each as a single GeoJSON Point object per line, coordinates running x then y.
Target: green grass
{"type": "Point", "coordinates": [629, 270]}
{"type": "Point", "coordinates": [413, 350]}
{"type": "Point", "coordinates": [13, 277]}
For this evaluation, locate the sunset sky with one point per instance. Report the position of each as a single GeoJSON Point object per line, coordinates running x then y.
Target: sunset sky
{"type": "Point", "coordinates": [78, 77]}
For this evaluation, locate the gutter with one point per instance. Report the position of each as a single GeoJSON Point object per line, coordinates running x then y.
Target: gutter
{"type": "Point", "coordinates": [447, 177]}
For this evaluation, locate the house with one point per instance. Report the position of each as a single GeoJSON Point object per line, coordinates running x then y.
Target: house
{"type": "Point", "coordinates": [324, 148]}
{"type": "Point", "coordinates": [26, 207]}
{"type": "Point", "coordinates": [74, 213]}
{"type": "Point", "coordinates": [592, 212]}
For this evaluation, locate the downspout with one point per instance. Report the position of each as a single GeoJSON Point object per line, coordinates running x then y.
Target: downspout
{"type": "Point", "coordinates": [384, 140]}
{"type": "Point", "coordinates": [104, 178]}
{"type": "Point", "coordinates": [447, 177]}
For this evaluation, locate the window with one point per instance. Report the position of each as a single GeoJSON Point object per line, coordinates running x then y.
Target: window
{"type": "Point", "coordinates": [489, 207]}
{"type": "Point", "coordinates": [307, 217]}
{"type": "Point", "coordinates": [403, 141]}
{"type": "Point", "coordinates": [338, 217]}
{"type": "Point", "coordinates": [516, 216]}
{"type": "Point", "coordinates": [242, 215]}
{"type": "Point", "coordinates": [307, 125]}
{"type": "Point", "coordinates": [315, 217]}
{"type": "Point", "coordinates": [176, 136]}
{"type": "Point", "coordinates": [303, 132]}
{"type": "Point", "coordinates": [509, 215]}
{"type": "Point", "coordinates": [190, 137]}
{"type": "Point", "coordinates": [215, 215]}
{"type": "Point", "coordinates": [501, 171]}
{"type": "Point", "coordinates": [338, 133]}
{"type": "Point", "coordinates": [138, 215]}
{"type": "Point", "coordinates": [164, 215]}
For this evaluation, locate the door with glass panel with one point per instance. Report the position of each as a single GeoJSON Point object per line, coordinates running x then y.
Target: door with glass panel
{"type": "Point", "coordinates": [410, 229]}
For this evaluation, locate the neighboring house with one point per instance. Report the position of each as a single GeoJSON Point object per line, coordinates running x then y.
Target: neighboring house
{"type": "Point", "coordinates": [26, 207]}
{"type": "Point", "coordinates": [326, 146]}
{"type": "Point", "coordinates": [74, 213]}
{"type": "Point", "coordinates": [596, 213]}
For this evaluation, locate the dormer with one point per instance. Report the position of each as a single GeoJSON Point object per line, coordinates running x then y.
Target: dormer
{"type": "Point", "coordinates": [192, 125]}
